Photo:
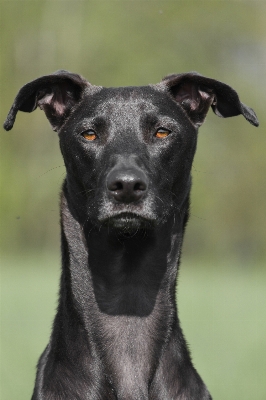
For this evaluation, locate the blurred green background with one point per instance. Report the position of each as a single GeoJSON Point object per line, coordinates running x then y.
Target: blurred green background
{"type": "Point", "coordinates": [221, 293]}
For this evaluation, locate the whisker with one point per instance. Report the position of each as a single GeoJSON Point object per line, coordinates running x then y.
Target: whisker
{"type": "Point", "coordinates": [49, 170]}
{"type": "Point", "coordinates": [159, 198]}
{"type": "Point", "coordinates": [86, 191]}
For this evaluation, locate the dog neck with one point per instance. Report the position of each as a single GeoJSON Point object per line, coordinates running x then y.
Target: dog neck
{"type": "Point", "coordinates": [123, 292]}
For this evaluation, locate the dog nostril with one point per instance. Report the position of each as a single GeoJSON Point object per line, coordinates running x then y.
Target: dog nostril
{"type": "Point", "coordinates": [140, 186]}
{"type": "Point", "coordinates": [115, 186]}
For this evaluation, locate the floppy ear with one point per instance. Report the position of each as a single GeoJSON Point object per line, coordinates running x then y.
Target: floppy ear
{"type": "Point", "coordinates": [55, 94]}
{"type": "Point", "coordinates": [196, 93]}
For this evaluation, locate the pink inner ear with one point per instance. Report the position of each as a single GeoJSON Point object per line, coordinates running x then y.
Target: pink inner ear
{"type": "Point", "coordinates": [188, 93]}
{"type": "Point", "coordinates": [59, 107]}
{"type": "Point", "coordinates": [54, 101]}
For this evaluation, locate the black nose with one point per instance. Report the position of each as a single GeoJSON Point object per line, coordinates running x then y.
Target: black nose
{"type": "Point", "coordinates": [127, 186]}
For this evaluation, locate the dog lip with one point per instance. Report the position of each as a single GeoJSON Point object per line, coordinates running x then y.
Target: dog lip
{"type": "Point", "coordinates": [128, 218]}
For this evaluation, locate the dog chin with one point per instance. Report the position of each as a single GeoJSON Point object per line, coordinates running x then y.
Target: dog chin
{"type": "Point", "coordinates": [128, 223]}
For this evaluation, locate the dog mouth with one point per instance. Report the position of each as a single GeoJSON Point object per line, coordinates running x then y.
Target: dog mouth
{"type": "Point", "coordinates": [128, 222]}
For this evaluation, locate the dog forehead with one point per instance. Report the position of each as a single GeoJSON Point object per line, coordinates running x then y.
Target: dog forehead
{"type": "Point", "coordinates": [126, 102]}
{"type": "Point", "coordinates": [126, 108]}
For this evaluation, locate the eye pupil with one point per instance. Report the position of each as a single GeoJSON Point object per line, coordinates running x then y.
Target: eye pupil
{"type": "Point", "coordinates": [162, 133]}
{"type": "Point", "coordinates": [89, 135]}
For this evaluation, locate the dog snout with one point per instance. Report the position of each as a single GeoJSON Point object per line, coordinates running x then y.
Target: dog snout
{"type": "Point", "coordinates": [127, 186]}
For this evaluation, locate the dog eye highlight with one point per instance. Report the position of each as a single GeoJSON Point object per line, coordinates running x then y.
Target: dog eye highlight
{"type": "Point", "coordinates": [162, 133]}
{"type": "Point", "coordinates": [89, 134]}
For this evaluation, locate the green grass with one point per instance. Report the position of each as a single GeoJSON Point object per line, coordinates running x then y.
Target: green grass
{"type": "Point", "coordinates": [222, 312]}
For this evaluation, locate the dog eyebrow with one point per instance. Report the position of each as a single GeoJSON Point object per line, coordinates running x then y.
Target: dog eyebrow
{"type": "Point", "coordinates": [91, 122]}
{"type": "Point", "coordinates": [149, 119]}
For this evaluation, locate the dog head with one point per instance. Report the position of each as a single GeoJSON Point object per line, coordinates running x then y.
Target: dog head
{"type": "Point", "coordinates": [128, 151]}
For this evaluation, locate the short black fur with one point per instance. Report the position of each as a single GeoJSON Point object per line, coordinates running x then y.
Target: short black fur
{"type": "Point", "coordinates": [124, 207]}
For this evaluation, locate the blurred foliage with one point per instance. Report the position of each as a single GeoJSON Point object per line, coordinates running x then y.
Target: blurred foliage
{"type": "Point", "coordinates": [115, 43]}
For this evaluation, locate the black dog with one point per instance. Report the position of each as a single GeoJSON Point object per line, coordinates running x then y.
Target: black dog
{"type": "Point", "coordinates": [125, 202]}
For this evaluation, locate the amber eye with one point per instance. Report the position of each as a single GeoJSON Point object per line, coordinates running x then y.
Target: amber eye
{"type": "Point", "coordinates": [89, 135]}
{"type": "Point", "coordinates": [162, 133]}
